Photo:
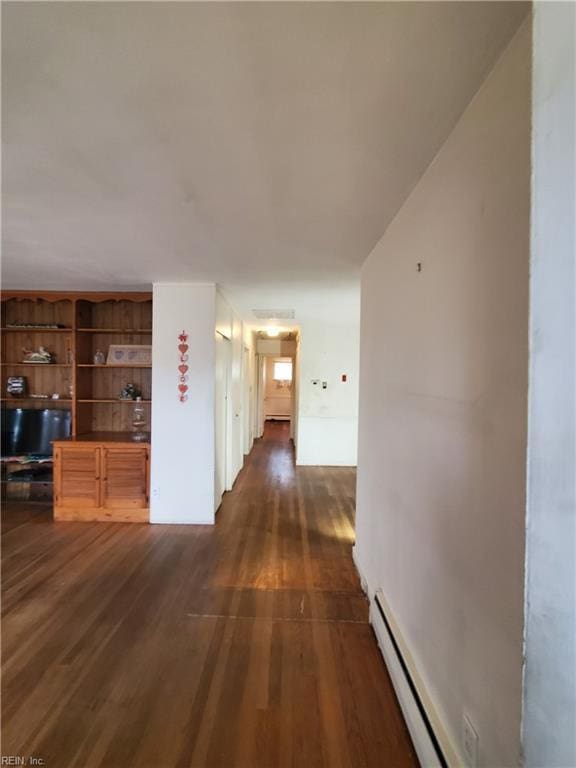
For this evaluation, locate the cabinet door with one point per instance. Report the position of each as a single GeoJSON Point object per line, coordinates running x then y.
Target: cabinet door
{"type": "Point", "coordinates": [77, 476]}
{"type": "Point", "coordinates": [125, 477]}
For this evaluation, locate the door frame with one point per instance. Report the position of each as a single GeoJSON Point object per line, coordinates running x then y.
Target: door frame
{"type": "Point", "coordinates": [223, 472]}
{"type": "Point", "coordinates": [261, 358]}
{"type": "Point", "coordinates": [247, 418]}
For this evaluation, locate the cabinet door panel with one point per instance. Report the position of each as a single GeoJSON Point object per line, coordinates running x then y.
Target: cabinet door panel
{"type": "Point", "coordinates": [125, 478]}
{"type": "Point", "coordinates": [78, 477]}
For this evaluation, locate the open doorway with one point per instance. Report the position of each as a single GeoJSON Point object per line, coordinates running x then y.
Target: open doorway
{"type": "Point", "coordinates": [278, 389]}
{"type": "Point", "coordinates": [276, 381]}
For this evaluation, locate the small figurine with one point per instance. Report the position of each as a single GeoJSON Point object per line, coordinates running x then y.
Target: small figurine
{"type": "Point", "coordinates": [99, 358]}
{"type": "Point", "coordinates": [130, 392]}
{"type": "Point", "coordinates": [41, 355]}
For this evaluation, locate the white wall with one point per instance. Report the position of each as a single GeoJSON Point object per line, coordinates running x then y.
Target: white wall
{"type": "Point", "coordinates": [328, 418]}
{"type": "Point", "coordinates": [275, 347]}
{"type": "Point", "coordinates": [550, 673]}
{"type": "Point", "coordinates": [182, 472]}
{"type": "Point", "coordinates": [442, 437]}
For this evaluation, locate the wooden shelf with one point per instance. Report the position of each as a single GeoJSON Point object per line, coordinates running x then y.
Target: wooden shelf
{"type": "Point", "coordinates": [106, 437]}
{"type": "Point", "coordinates": [10, 481]}
{"type": "Point", "coordinates": [114, 330]}
{"type": "Point", "coordinates": [36, 330]}
{"type": "Point", "coordinates": [116, 400]}
{"type": "Point", "coordinates": [113, 365]}
{"type": "Point", "coordinates": [34, 400]}
{"type": "Point", "coordinates": [39, 365]}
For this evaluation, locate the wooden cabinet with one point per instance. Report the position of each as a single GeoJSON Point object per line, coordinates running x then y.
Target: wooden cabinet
{"type": "Point", "coordinates": [77, 476]}
{"type": "Point", "coordinates": [101, 477]}
{"type": "Point", "coordinates": [124, 481]}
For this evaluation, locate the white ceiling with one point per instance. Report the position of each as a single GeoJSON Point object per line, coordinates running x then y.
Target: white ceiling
{"type": "Point", "coordinates": [264, 146]}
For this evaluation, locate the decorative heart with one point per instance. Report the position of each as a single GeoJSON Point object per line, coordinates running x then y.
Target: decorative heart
{"type": "Point", "coordinates": [182, 388]}
{"type": "Point", "coordinates": [182, 368]}
{"type": "Point", "coordinates": [183, 348]}
{"type": "Point", "coordinates": [183, 398]}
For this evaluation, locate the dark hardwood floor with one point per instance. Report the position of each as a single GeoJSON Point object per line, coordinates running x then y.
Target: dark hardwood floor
{"type": "Point", "coordinates": [243, 644]}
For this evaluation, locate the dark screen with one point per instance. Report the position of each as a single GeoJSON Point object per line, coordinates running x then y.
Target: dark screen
{"type": "Point", "coordinates": [27, 430]}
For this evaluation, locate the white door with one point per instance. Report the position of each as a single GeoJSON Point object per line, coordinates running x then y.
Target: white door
{"type": "Point", "coordinates": [261, 382]}
{"type": "Point", "coordinates": [246, 397]}
{"type": "Point", "coordinates": [221, 416]}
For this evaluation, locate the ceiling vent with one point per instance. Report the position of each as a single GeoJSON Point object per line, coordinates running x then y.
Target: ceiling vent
{"type": "Point", "coordinates": [274, 314]}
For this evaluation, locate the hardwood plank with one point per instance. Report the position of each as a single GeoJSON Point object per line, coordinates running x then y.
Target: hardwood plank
{"type": "Point", "coordinates": [242, 645]}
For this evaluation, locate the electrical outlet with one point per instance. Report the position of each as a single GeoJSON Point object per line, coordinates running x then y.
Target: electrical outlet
{"type": "Point", "coordinates": [469, 742]}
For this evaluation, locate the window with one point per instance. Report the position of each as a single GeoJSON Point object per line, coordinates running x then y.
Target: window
{"type": "Point", "coordinates": [282, 370]}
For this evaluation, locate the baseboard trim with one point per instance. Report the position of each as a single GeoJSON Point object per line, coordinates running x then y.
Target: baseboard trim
{"type": "Point", "coordinates": [429, 736]}
{"type": "Point", "coordinates": [430, 739]}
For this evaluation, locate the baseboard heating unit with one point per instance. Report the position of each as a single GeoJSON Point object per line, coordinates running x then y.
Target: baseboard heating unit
{"type": "Point", "coordinates": [429, 737]}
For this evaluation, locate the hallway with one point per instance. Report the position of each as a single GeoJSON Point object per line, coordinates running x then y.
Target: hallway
{"type": "Point", "coordinates": [244, 644]}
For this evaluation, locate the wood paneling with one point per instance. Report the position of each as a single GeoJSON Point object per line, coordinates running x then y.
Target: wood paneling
{"type": "Point", "coordinates": [41, 379]}
{"type": "Point", "coordinates": [37, 310]}
{"type": "Point", "coordinates": [242, 645]}
{"type": "Point", "coordinates": [100, 324]}
{"type": "Point", "coordinates": [123, 314]}
{"type": "Point", "coordinates": [89, 342]}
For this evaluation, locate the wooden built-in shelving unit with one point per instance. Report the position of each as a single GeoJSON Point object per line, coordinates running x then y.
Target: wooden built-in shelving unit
{"type": "Point", "coordinates": [88, 322]}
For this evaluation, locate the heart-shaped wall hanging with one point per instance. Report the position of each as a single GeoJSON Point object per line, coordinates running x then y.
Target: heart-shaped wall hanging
{"type": "Point", "coordinates": [182, 366]}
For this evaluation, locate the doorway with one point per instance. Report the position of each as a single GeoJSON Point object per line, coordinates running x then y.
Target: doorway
{"type": "Point", "coordinates": [247, 403]}
{"type": "Point", "coordinates": [277, 388]}
{"type": "Point", "coordinates": [221, 417]}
